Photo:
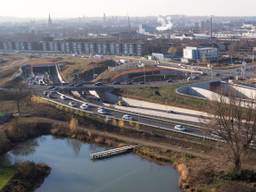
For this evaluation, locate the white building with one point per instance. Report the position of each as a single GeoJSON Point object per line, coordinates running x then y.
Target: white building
{"type": "Point", "coordinates": [199, 54]}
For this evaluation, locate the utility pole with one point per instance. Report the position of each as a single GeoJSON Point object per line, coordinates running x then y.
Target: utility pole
{"type": "Point", "coordinates": [144, 73]}
{"type": "Point", "coordinates": [243, 69]}
{"type": "Point", "coordinates": [253, 54]}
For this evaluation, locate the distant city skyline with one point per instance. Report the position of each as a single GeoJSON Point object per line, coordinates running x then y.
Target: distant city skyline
{"type": "Point", "coordinates": [80, 8]}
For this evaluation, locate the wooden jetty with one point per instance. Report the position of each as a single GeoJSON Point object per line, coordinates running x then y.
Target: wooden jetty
{"type": "Point", "coordinates": [111, 152]}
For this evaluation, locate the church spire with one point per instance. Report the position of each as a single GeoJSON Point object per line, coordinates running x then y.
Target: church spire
{"type": "Point", "coordinates": [49, 20]}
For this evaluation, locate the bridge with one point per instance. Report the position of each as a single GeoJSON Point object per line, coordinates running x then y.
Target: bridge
{"type": "Point", "coordinates": [111, 152]}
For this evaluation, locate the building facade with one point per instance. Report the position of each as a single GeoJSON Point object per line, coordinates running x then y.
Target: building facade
{"type": "Point", "coordinates": [87, 47]}
{"type": "Point", "coordinates": [200, 54]}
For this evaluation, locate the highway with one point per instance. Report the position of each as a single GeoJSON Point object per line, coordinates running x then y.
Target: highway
{"type": "Point", "coordinates": [152, 121]}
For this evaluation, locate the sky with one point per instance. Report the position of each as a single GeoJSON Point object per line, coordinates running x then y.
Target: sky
{"type": "Point", "coordinates": [79, 8]}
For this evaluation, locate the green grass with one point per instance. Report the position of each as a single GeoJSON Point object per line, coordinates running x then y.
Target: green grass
{"type": "Point", "coordinates": [6, 174]}
{"type": "Point", "coordinates": [165, 95]}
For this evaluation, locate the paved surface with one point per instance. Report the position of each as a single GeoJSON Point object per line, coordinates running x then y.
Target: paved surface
{"type": "Point", "coordinates": [156, 106]}
{"type": "Point", "coordinates": [149, 119]}
{"type": "Point", "coordinates": [151, 112]}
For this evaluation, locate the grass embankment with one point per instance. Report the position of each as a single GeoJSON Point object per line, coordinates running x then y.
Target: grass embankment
{"type": "Point", "coordinates": [84, 67]}
{"type": "Point", "coordinates": [6, 174]}
{"type": "Point", "coordinates": [164, 95]}
{"type": "Point", "coordinates": [9, 66]}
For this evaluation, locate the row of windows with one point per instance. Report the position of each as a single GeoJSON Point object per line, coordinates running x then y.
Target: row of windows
{"type": "Point", "coordinates": [76, 47]}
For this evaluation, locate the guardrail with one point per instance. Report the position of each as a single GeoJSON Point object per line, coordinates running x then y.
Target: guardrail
{"type": "Point", "coordinates": [115, 121]}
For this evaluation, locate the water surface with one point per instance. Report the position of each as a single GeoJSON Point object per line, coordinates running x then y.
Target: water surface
{"type": "Point", "coordinates": [72, 169]}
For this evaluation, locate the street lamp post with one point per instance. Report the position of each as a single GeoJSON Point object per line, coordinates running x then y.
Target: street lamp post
{"type": "Point", "coordinates": [144, 74]}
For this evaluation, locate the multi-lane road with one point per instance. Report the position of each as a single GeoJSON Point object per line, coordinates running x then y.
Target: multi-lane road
{"type": "Point", "coordinates": [152, 121]}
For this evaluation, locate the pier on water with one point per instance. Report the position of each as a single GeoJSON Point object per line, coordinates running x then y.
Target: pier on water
{"type": "Point", "coordinates": [111, 152]}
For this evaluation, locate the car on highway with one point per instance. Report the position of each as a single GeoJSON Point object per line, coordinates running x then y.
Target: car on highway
{"type": "Point", "coordinates": [72, 104]}
{"type": "Point", "coordinates": [127, 117]}
{"type": "Point", "coordinates": [84, 106]}
{"type": "Point", "coordinates": [172, 112]}
{"type": "Point", "coordinates": [63, 97]}
{"type": "Point", "coordinates": [98, 84]}
{"type": "Point", "coordinates": [116, 83]}
{"type": "Point", "coordinates": [50, 95]}
{"type": "Point", "coordinates": [180, 128]}
{"type": "Point", "coordinates": [51, 87]}
{"type": "Point", "coordinates": [102, 111]}
{"type": "Point", "coordinates": [45, 93]}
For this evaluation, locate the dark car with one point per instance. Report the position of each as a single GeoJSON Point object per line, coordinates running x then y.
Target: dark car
{"type": "Point", "coordinates": [115, 83]}
{"type": "Point", "coordinates": [173, 112]}
{"type": "Point", "coordinates": [98, 84]}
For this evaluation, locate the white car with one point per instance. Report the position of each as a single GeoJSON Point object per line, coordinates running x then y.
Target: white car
{"type": "Point", "coordinates": [84, 106]}
{"type": "Point", "coordinates": [180, 128]}
{"type": "Point", "coordinates": [102, 111]}
{"type": "Point", "coordinates": [72, 104]}
{"type": "Point", "coordinates": [127, 117]}
{"type": "Point", "coordinates": [63, 97]}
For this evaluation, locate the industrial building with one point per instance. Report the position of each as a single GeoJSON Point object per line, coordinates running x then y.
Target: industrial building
{"type": "Point", "coordinates": [199, 54]}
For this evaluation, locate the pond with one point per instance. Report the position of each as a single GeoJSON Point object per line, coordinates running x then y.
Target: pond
{"type": "Point", "coordinates": [72, 169]}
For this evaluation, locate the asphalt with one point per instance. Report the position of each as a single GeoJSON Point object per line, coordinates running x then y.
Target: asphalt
{"type": "Point", "coordinates": [163, 124]}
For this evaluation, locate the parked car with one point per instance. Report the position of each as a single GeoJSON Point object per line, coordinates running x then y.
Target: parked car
{"type": "Point", "coordinates": [127, 117]}
{"type": "Point", "coordinates": [180, 128]}
{"type": "Point", "coordinates": [84, 106]}
{"type": "Point", "coordinates": [72, 104]}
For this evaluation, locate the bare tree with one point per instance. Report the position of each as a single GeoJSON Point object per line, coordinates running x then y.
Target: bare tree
{"type": "Point", "coordinates": [15, 94]}
{"type": "Point", "coordinates": [234, 122]}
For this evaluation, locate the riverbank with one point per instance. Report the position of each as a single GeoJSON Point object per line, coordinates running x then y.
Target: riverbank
{"type": "Point", "coordinates": [25, 177]}
{"type": "Point", "coordinates": [198, 172]}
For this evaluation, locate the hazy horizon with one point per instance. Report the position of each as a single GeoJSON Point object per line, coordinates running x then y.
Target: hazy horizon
{"type": "Point", "coordinates": [140, 8]}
